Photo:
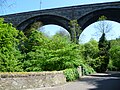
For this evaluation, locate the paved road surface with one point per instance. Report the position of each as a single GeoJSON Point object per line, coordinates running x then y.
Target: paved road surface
{"type": "Point", "coordinates": [99, 81]}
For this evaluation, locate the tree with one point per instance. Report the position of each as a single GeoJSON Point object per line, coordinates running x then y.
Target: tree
{"type": "Point", "coordinates": [35, 45]}
{"type": "Point", "coordinates": [35, 38]}
{"type": "Point", "coordinates": [3, 3]}
{"type": "Point", "coordinates": [103, 26]}
{"type": "Point", "coordinates": [114, 63]}
{"type": "Point", "coordinates": [115, 57]}
{"type": "Point", "coordinates": [34, 26]}
{"type": "Point", "coordinates": [75, 31]}
{"type": "Point", "coordinates": [103, 45]}
{"type": "Point", "coordinates": [56, 53]}
{"type": "Point", "coordinates": [10, 56]}
{"type": "Point", "coordinates": [63, 34]}
{"type": "Point", "coordinates": [90, 49]}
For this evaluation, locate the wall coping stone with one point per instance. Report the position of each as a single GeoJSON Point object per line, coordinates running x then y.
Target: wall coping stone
{"type": "Point", "coordinates": [26, 74]}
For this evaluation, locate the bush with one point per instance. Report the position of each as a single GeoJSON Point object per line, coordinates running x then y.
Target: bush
{"type": "Point", "coordinates": [90, 49]}
{"type": "Point", "coordinates": [10, 55]}
{"type": "Point", "coordinates": [111, 67]}
{"type": "Point", "coordinates": [37, 52]}
{"type": "Point", "coordinates": [86, 69]}
{"type": "Point", "coordinates": [49, 54]}
{"type": "Point", "coordinates": [71, 74]}
{"type": "Point", "coordinates": [115, 57]}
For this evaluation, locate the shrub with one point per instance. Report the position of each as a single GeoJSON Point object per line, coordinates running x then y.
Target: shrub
{"type": "Point", "coordinates": [90, 49]}
{"type": "Point", "coordinates": [111, 67]}
{"type": "Point", "coordinates": [115, 57]}
{"type": "Point", "coordinates": [49, 54]}
{"type": "Point", "coordinates": [9, 53]}
{"type": "Point", "coordinates": [86, 69]}
{"type": "Point", "coordinates": [71, 74]}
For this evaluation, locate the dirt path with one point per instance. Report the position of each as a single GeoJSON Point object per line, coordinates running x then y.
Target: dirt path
{"type": "Point", "coordinates": [99, 81]}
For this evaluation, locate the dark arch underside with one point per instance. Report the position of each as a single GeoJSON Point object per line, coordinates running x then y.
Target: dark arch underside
{"type": "Point", "coordinates": [112, 14]}
{"type": "Point", "coordinates": [46, 20]}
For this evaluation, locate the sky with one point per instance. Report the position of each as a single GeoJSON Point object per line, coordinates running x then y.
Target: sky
{"type": "Point", "coordinates": [17, 6]}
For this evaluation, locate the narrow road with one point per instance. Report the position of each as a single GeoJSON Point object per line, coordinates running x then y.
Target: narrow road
{"type": "Point", "coordinates": [99, 81]}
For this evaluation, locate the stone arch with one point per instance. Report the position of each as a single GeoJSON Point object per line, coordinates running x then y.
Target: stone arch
{"type": "Point", "coordinates": [46, 20]}
{"type": "Point", "coordinates": [112, 14]}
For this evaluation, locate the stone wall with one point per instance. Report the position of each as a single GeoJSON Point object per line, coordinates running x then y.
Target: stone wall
{"type": "Point", "coordinates": [26, 80]}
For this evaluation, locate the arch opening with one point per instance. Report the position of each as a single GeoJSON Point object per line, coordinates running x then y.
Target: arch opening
{"type": "Point", "coordinates": [51, 29]}
{"type": "Point", "coordinates": [45, 20]}
{"type": "Point", "coordinates": [111, 14]}
{"type": "Point", "coordinates": [95, 33]}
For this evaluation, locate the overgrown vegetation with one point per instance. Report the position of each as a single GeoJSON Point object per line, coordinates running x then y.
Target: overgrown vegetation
{"type": "Point", "coordinates": [114, 63]}
{"type": "Point", "coordinates": [10, 55]}
{"type": "Point", "coordinates": [103, 45]}
{"type": "Point", "coordinates": [37, 52]}
{"type": "Point", "coordinates": [75, 31]}
{"type": "Point", "coordinates": [71, 74]}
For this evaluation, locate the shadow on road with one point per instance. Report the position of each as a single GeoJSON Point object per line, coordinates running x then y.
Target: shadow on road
{"type": "Point", "coordinates": [110, 84]}
{"type": "Point", "coordinates": [110, 81]}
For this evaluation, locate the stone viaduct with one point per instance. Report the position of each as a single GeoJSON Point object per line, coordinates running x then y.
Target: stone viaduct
{"type": "Point", "coordinates": [84, 14]}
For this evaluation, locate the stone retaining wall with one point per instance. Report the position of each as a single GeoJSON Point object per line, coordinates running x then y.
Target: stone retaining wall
{"type": "Point", "coordinates": [26, 80]}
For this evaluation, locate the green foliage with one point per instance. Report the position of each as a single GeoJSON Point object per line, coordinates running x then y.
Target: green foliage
{"type": "Point", "coordinates": [101, 18]}
{"type": "Point", "coordinates": [34, 26]}
{"type": "Point", "coordinates": [34, 39]}
{"type": "Point", "coordinates": [75, 31]}
{"type": "Point", "coordinates": [111, 67]}
{"type": "Point", "coordinates": [63, 34]}
{"type": "Point", "coordinates": [115, 57]}
{"type": "Point", "coordinates": [104, 47]}
{"type": "Point", "coordinates": [36, 52]}
{"type": "Point", "coordinates": [63, 58]}
{"type": "Point", "coordinates": [51, 54]}
{"type": "Point", "coordinates": [90, 49]}
{"type": "Point", "coordinates": [71, 74]}
{"type": "Point", "coordinates": [87, 69]}
{"type": "Point", "coordinates": [98, 64]}
{"type": "Point", "coordinates": [35, 48]}
{"type": "Point", "coordinates": [9, 52]}
{"type": "Point", "coordinates": [90, 53]}
{"type": "Point", "coordinates": [115, 42]}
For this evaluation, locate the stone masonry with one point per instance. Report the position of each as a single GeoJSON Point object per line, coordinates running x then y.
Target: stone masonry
{"type": "Point", "coordinates": [29, 80]}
